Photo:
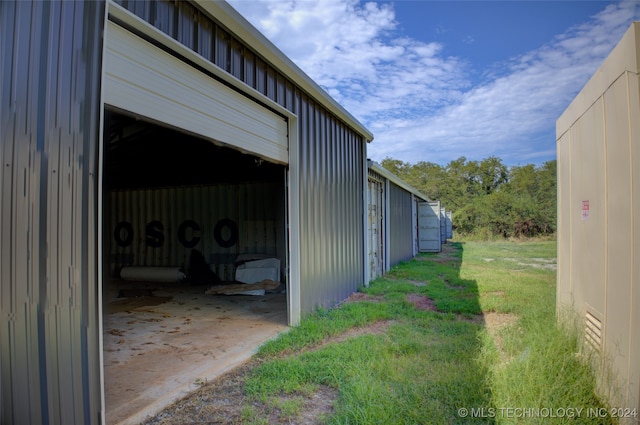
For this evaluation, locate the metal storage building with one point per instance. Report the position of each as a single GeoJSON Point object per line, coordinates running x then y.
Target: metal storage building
{"type": "Point", "coordinates": [443, 225]}
{"type": "Point", "coordinates": [429, 227]}
{"type": "Point", "coordinates": [449, 224]}
{"type": "Point", "coordinates": [598, 137]}
{"type": "Point", "coordinates": [393, 221]}
{"type": "Point", "coordinates": [134, 132]}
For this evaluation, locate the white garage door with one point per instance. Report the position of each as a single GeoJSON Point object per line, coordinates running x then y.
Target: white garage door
{"type": "Point", "coordinates": [429, 226]}
{"type": "Point", "coordinates": [144, 79]}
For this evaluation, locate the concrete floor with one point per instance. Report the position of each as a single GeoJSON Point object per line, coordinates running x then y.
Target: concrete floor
{"type": "Point", "coordinates": [160, 340]}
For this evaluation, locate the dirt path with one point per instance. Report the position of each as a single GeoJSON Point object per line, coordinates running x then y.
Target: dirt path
{"type": "Point", "coordinates": [224, 401]}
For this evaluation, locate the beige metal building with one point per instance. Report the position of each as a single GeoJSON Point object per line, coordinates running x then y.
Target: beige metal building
{"type": "Point", "coordinates": [598, 148]}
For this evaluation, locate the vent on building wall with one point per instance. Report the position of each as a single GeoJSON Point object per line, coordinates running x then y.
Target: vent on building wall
{"type": "Point", "coordinates": [593, 331]}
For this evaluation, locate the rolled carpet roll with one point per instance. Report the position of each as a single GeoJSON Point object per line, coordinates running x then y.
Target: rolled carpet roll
{"type": "Point", "coordinates": [152, 274]}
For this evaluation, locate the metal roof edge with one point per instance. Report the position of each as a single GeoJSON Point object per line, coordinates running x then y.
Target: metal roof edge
{"type": "Point", "coordinates": [245, 31]}
{"type": "Point", "coordinates": [395, 179]}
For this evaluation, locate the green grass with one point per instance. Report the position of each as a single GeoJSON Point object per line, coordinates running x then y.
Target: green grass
{"type": "Point", "coordinates": [407, 365]}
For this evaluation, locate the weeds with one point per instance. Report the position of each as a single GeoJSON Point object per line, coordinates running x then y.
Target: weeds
{"type": "Point", "coordinates": [431, 363]}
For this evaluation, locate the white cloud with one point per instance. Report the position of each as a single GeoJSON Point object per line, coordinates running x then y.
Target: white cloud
{"type": "Point", "coordinates": [350, 48]}
{"type": "Point", "coordinates": [418, 102]}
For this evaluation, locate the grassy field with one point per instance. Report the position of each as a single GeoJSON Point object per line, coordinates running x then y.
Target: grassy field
{"type": "Point", "coordinates": [468, 335]}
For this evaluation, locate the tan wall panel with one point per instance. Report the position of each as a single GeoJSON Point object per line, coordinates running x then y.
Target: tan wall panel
{"type": "Point", "coordinates": [598, 153]}
{"type": "Point", "coordinates": [634, 298]}
{"type": "Point", "coordinates": [619, 223]}
{"type": "Point", "coordinates": [565, 284]}
{"type": "Point", "coordinates": [588, 185]}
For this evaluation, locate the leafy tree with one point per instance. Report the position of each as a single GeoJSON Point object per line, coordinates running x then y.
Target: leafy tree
{"type": "Point", "coordinates": [487, 197]}
{"type": "Point", "coordinates": [397, 167]}
{"type": "Point", "coordinates": [523, 179]}
{"type": "Point", "coordinates": [459, 188]}
{"type": "Point", "coordinates": [429, 177]}
{"type": "Point", "coordinates": [492, 173]}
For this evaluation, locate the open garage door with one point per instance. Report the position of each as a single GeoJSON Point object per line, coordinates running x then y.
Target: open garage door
{"type": "Point", "coordinates": [181, 205]}
{"type": "Point", "coordinates": [194, 180]}
{"type": "Point", "coordinates": [146, 80]}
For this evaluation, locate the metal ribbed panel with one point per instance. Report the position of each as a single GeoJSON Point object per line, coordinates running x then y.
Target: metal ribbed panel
{"type": "Point", "coordinates": [375, 223]}
{"type": "Point", "coordinates": [443, 225]}
{"type": "Point", "coordinates": [49, 360]}
{"type": "Point", "coordinates": [144, 80]}
{"type": "Point", "coordinates": [429, 226]}
{"type": "Point", "coordinates": [331, 208]}
{"type": "Point", "coordinates": [401, 224]}
{"type": "Point", "coordinates": [160, 227]}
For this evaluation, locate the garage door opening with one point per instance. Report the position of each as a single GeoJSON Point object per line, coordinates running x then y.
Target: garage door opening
{"type": "Point", "coordinates": [180, 215]}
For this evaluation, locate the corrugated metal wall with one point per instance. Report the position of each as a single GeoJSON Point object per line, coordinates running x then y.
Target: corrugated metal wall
{"type": "Point", "coordinates": [375, 223]}
{"type": "Point", "coordinates": [49, 131]}
{"type": "Point", "coordinates": [160, 227]}
{"type": "Point", "coordinates": [401, 224]}
{"type": "Point", "coordinates": [331, 207]}
{"type": "Point", "coordinates": [429, 227]}
{"type": "Point", "coordinates": [443, 225]}
{"type": "Point", "coordinates": [331, 155]}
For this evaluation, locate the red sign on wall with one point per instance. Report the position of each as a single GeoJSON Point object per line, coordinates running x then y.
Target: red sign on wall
{"type": "Point", "coordinates": [585, 210]}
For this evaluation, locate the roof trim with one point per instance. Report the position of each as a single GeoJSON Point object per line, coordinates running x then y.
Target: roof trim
{"type": "Point", "coordinates": [374, 166]}
{"type": "Point", "coordinates": [245, 31]}
{"type": "Point", "coordinates": [623, 58]}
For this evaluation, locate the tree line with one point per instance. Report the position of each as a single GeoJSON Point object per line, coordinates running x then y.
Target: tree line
{"type": "Point", "coordinates": [488, 199]}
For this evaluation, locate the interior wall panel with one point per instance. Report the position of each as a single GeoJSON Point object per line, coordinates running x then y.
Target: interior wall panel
{"type": "Point", "coordinates": [160, 227]}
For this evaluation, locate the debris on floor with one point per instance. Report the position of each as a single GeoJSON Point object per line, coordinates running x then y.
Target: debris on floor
{"type": "Point", "coordinates": [235, 288]}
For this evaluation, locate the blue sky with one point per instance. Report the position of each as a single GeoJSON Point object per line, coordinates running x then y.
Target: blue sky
{"type": "Point", "coordinates": [436, 80]}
